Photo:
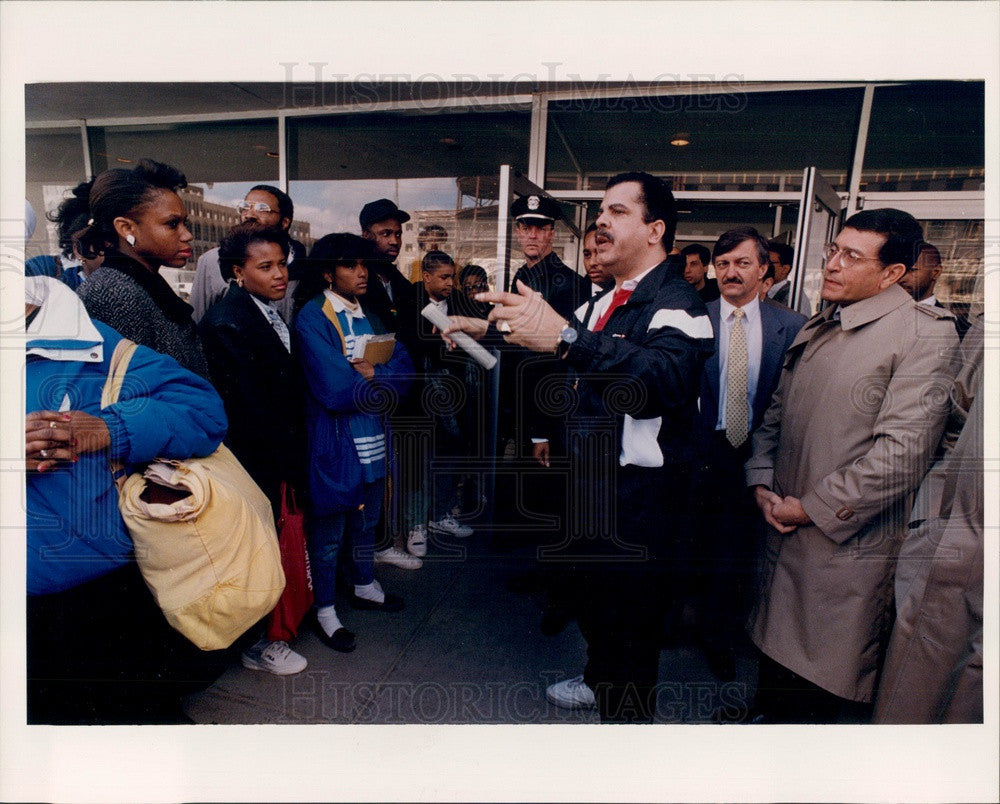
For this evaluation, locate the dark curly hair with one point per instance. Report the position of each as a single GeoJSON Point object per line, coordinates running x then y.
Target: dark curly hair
{"type": "Point", "coordinates": [72, 215]}
{"type": "Point", "coordinates": [341, 248]}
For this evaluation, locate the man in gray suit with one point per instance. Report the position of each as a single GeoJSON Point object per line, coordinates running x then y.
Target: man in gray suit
{"type": "Point", "coordinates": [751, 337]}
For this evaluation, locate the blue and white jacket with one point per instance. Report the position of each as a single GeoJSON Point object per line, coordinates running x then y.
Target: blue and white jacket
{"type": "Point", "coordinates": [345, 414]}
{"type": "Point", "coordinates": [74, 530]}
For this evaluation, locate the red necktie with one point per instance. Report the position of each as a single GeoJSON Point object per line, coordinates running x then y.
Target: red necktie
{"type": "Point", "coordinates": [617, 300]}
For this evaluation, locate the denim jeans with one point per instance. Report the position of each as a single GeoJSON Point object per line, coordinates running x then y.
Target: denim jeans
{"type": "Point", "coordinates": [326, 533]}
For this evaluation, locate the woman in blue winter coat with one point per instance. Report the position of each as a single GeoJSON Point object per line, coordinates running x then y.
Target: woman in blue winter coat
{"type": "Point", "coordinates": [95, 634]}
{"type": "Point", "coordinates": [346, 404]}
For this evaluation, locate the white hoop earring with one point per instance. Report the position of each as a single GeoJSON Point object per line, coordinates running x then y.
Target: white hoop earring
{"type": "Point", "coordinates": [130, 239]}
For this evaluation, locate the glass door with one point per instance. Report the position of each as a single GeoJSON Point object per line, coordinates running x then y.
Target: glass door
{"type": "Point", "coordinates": [819, 216]}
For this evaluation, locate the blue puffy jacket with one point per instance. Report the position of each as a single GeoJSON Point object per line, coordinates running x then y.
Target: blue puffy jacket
{"type": "Point", "coordinates": [344, 412]}
{"type": "Point", "coordinates": [74, 530]}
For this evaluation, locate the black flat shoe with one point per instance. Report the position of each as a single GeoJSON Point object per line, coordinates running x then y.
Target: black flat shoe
{"type": "Point", "coordinates": [392, 603]}
{"type": "Point", "coordinates": [341, 640]}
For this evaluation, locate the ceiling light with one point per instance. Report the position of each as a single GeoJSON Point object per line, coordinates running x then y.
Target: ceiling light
{"type": "Point", "coordinates": [680, 139]}
{"type": "Point", "coordinates": [447, 141]}
{"type": "Point", "coordinates": [123, 160]}
{"type": "Point", "coordinates": [272, 154]}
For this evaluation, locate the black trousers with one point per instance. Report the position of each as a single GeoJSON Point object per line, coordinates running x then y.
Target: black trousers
{"type": "Point", "coordinates": [725, 547]}
{"type": "Point", "coordinates": [102, 653]}
{"type": "Point", "coordinates": [622, 598]}
{"type": "Point", "coordinates": [786, 697]}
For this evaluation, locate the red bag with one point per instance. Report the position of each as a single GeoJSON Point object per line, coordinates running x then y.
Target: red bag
{"type": "Point", "coordinates": [297, 599]}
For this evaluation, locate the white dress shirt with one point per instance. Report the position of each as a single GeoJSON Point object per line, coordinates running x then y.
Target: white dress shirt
{"type": "Point", "coordinates": [755, 340]}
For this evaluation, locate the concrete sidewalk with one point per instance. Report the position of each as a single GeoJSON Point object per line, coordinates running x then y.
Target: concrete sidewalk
{"type": "Point", "coordinates": [464, 650]}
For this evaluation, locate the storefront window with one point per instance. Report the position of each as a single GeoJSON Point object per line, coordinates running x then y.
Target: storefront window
{"type": "Point", "coordinates": [221, 161]}
{"type": "Point", "coordinates": [54, 161]}
{"type": "Point", "coordinates": [440, 168]}
{"type": "Point", "coordinates": [735, 141]}
{"type": "Point", "coordinates": [925, 137]}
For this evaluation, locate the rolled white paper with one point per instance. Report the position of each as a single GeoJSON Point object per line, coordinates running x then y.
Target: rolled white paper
{"type": "Point", "coordinates": [465, 342]}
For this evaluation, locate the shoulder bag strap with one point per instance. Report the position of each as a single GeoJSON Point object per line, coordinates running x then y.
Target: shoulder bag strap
{"type": "Point", "coordinates": [112, 388]}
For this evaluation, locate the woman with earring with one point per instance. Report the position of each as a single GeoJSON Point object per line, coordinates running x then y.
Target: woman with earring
{"type": "Point", "coordinates": [249, 355]}
{"type": "Point", "coordinates": [347, 401]}
{"type": "Point", "coordinates": [139, 222]}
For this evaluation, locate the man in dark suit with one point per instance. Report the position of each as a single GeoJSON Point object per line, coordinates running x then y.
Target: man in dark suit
{"type": "Point", "coordinates": [919, 282]}
{"type": "Point", "coordinates": [751, 337]}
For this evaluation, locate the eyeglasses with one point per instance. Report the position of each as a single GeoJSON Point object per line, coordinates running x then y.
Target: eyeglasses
{"type": "Point", "coordinates": [848, 257]}
{"type": "Point", "coordinates": [260, 206]}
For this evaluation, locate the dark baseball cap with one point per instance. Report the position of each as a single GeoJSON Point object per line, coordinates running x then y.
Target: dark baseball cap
{"type": "Point", "coordinates": [381, 210]}
{"type": "Point", "coordinates": [537, 208]}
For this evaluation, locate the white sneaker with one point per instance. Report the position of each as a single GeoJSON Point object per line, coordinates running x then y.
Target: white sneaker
{"type": "Point", "coordinates": [572, 693]}
{"type": "Point", "coordinates": [274, 657]}
{"type": "Point", "coordinates": [450, 526]}
{"type": "Point", "coordinates": [398, 558]}
{"type": "Point", "coordinates": [416, 542]}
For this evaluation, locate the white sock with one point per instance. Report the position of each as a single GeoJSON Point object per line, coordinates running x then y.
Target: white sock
{"type": "Point", "coordinates": [370, 591]}
{"type": "Point", "coordinates": [328, 619]}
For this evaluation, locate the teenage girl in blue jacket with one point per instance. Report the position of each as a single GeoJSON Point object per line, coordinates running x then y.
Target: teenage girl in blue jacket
{"type": "Point", "coordinates": [346, 405]}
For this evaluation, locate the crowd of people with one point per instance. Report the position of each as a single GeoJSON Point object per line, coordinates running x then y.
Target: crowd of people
{"type": "Point", "coordinates": [713, 459]}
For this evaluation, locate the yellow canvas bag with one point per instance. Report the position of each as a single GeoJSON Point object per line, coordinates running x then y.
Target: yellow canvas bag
{"type": "Point", "coordinates": [209, 552]}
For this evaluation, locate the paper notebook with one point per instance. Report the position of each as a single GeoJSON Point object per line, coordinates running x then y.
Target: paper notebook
{"type": "Point", "coordinates": [376, 349]}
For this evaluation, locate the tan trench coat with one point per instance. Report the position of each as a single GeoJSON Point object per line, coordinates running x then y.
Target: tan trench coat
{"type": "Point", "coordinates": [859, 410]}
{"type": "Point", "coordinates": [934, 665]}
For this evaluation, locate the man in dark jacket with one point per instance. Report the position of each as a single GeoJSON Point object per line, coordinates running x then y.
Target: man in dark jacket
{"type": "Point", "coordinates": [435, 424]}
{"type": "Point", "coordinates": [637, 354]}
{"type": "Point", "coordinates": [750, 337]}
{"type": "Point", "coordinates": [390, 294]}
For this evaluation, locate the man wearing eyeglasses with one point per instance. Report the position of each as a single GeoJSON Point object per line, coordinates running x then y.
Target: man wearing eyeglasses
{"type": "Point", "coordinates": [858, 413]}
{"type": "Point", "coordinates": [269, 207]}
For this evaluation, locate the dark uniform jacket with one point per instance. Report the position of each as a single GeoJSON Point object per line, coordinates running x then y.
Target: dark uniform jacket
{"type": "Point", "coordinates": [563, 288]}
{"type": "Point", "coordinates": [527, 376]}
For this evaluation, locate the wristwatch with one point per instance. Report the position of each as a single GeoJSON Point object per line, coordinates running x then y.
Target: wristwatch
{"type": "Point", "coordinates": [567, 338]}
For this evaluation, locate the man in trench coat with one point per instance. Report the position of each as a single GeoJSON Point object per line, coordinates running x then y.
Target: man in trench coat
{"type": "Point", "coordinates": [934, 665]}
{"type": "Point", "coordinates": [858, 413]}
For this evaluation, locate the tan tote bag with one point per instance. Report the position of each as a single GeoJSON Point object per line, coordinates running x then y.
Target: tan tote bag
{"type": "Point", "coordinates": [204, 537]}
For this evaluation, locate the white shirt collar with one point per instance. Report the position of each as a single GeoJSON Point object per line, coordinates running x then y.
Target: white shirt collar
{"type": "Point", "coordinates": [630, 284]}
{"type": "Point", "coordinates": [930, 301]}
{"type": "Point", "coordinates": [342, 305]}
{"type": "Point", "coordinates": [750, 309]}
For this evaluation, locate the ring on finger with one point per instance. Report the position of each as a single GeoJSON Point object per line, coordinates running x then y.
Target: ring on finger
{"type": "Point", "coordinates": [44, 453]}
{"type": "Point", "coordinates": [52, 425]}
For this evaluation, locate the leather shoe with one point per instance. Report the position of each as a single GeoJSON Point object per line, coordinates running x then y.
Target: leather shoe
{"type": "Point", "coordinates": [391, 603]}
{"type": "Point", "coordinates": [340, 640]}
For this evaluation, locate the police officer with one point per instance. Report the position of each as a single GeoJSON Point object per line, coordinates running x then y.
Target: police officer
{"type": "Point", "coordinates": [535, 219]}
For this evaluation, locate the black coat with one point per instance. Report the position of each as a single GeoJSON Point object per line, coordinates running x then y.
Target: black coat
{"type": "Point", "coordinates": [399, 313]}
{"type": "Point", "coordinates": [563, 288]}
{"type": "Point", "coordinates": [260, 384]}
{"type": "Point", "coordinates": [527, 378]}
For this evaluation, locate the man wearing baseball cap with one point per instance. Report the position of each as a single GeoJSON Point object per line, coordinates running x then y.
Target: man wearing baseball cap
{"type": "Point", "coordinates": [382, 224]}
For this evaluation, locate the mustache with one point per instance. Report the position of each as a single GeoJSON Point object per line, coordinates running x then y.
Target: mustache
{"type": "Point", "coordinates": [603, 236]}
